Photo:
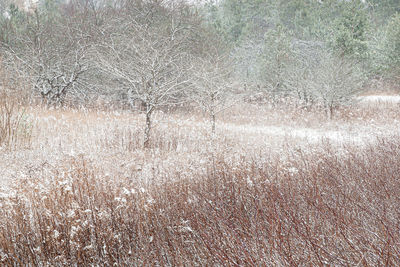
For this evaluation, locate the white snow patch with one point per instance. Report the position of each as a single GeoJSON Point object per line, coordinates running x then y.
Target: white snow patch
{"type": "Point", "coordinates": [379, 99]}
{"type": "Point", "coordinates": [309, 134]}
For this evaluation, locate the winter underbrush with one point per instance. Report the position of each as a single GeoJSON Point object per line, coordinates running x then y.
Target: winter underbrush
{"type": "Point", "coordinates": [15, 126]}
{"type": "Point", "coordinates": [323, 205]}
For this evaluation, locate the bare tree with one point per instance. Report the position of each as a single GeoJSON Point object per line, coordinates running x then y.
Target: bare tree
{"type": "Point", "coordinates": [327, 80]}
{"type": "Point", "coordinates": [213, 89]}
{"type": "Point", "coordinates": [150, 64]}
{"type": "Point", "coordinates": [50, 54]}
{"type": "Point", "coordinates": [306, 59]}
{"type": "Point", "coordinates": [335, 82]}
{"type": "Point", "coordinates": [55, 79]}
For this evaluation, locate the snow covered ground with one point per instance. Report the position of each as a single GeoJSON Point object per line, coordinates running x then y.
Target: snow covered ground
{"type": "Point", "coordinates": [182, 142]}
{"type": "Point", "coordinates": [374, 99]}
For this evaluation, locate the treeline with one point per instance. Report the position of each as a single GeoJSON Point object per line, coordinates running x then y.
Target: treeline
{"type": "Point", "coordinates": [151, 53]}
{"type": "Point", "coordinates": [317, 50]}
{"type": "Point", "coordinates": [363, 30]}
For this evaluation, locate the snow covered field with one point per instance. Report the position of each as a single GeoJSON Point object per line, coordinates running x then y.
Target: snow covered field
{"type": "Point", "coordinates": [270, 182]}
{"type": "Point", "coordinates": [183, 143]}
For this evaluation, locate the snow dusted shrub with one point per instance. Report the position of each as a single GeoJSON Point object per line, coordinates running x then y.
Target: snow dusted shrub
{"type": "Point", "coordinates": [318, 206]}
{"type": "Point", "coordinates": [15, 128]}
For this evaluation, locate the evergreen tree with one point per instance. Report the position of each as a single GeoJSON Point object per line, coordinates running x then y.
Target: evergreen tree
{"type": "Point", "coordinates": [350, 31]}
{"type": "Point", "coordinates": [392, 45]}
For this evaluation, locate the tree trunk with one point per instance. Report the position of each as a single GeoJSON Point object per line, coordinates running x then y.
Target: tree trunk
{"type": "Point", "coordinates": [213, 123]}
{"type": "Point", "coordinates": [212, 113]}
{"type": "Point", "coordinates": [149, 111]}
{"type": "Point", "coordinates": [329, 110]}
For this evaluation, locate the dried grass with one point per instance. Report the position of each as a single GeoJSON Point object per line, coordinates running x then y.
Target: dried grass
{"type": "Point", "coordinates": [15, 127]}
{"type": "Point", "coordinates": [257, 193]}
{"type": "Point", "coordinates": [322, 206]}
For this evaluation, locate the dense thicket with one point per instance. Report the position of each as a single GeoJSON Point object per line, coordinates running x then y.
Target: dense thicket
{"type": "Point", "coordinates": [323, 207]}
